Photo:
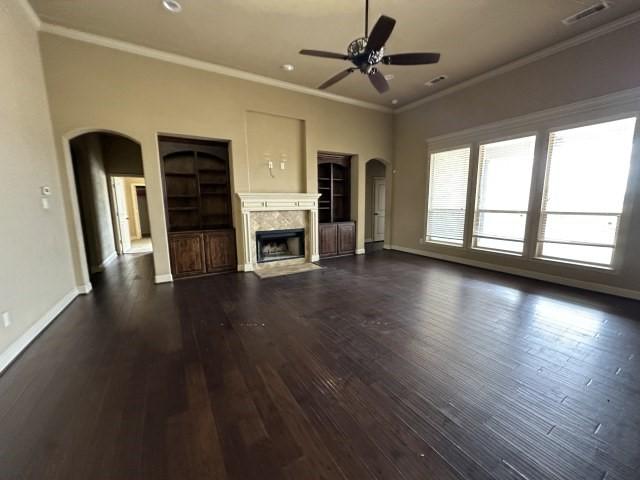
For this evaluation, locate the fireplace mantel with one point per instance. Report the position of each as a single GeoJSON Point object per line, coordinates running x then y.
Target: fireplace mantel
{"type": "Point", "coordinates": [274, 202]}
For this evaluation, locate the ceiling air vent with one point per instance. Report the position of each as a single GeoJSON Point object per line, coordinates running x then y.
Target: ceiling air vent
{"type": "Point", "coordinates": [587, 12]}
{"type": "Point", "coordinates": [433, 81]}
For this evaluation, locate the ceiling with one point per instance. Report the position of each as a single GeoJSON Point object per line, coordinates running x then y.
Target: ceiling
{"type": "Point", "coordinates": [258, 36]}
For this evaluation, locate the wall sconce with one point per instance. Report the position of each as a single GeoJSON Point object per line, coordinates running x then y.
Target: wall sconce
{"type": "Point", "coordinates": [269, 163]}
{"type": "Point", "coordinates": [267, 158]}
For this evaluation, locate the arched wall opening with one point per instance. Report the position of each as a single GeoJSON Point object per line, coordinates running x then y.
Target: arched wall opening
{"type": "Point", "coordinates": [377, 204]}
{"type": "Point", "coordinates": [107, 193]}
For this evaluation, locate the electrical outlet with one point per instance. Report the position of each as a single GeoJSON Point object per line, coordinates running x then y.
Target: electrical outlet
{"type": "Point", "coordinates": [6, 319]}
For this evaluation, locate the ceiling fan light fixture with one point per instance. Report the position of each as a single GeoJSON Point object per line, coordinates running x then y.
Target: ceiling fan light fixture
{"type": "Point", "coordinates": [366, 53]}
{"type": "Point", "coordinates": [172, 5]}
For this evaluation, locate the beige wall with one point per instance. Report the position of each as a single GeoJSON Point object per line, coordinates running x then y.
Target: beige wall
{"type": "Point", "coordinates": [93, 192]}
{"type": "Point", "coordinates": [129, 189]}
{"type": "Point", "coordinates": [35, 256]}
{"type": "Point", "coordinates": [276, 138]}
{"type": "Point", "coordinates": [604, 65]}
{"type": "Point", "coordinates": [122, 156]}
{"type": "Point", "coordinates": [375, 168]}
{"type": "Point", "coordinates": [157, 97]}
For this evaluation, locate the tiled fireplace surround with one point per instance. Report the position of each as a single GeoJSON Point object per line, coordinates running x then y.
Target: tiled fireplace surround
{"type": "Point", "coordinates": [278, 211]}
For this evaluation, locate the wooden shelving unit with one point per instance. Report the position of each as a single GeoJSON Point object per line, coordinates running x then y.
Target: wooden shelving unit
{"type": "Point", "coordinates": [198, 206]}
{"type": "Point", "coordinates": [333, 185]}
{"type": "Point", "coordinates": [337, 231]}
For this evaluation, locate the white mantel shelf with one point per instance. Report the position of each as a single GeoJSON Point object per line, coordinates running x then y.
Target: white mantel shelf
{"type": "Point", "coordinates": [272, 202]}
{"type": "Point", "coordinates": [264, 202]}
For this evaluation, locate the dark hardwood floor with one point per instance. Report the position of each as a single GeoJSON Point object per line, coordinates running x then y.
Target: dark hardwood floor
{"type": "Point", "coordinates": [384, 366]}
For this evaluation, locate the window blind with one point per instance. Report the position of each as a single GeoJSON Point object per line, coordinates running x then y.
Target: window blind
{"type": "Point", "coordinates": [586, 182]}
{"type": "Point", "coordinates": [448, 177]}
{"type": "Point", "coordinates": [502, 199]}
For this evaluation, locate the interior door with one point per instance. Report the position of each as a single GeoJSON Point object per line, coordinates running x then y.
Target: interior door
{"type": "Point", "coordinates": [379, 187]}
{"type": "Point", "coordinates": [122, 215]}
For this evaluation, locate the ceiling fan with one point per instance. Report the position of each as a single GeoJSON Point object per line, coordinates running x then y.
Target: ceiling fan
{"type": "Point", "coordinates": [367, 52]}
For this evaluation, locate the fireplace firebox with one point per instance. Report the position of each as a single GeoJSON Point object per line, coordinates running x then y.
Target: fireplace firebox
{"type": "Point", "coordinates": [274, 245]}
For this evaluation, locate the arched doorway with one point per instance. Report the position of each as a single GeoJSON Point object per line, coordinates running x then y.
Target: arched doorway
{"type": "Point", "coordinates": [376, 215]}
{"type": "Point", "coordinates": [108, 179]}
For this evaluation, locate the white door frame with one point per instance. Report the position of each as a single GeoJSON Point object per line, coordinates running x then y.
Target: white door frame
{"type": "Point", "coordinates": [376, 181]}
{"type": "Point", "coordinates": [136, 209]}
{"type": "Point", "coordinates": [114, 214]}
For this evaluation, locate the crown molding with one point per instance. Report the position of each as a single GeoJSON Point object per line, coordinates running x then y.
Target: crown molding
{"type": "Point", "coordinates": [200, 64]}
{"type": "Point", "coordinates": [534, 57]}
{"type": "Point", "coordinates": [33, 17]}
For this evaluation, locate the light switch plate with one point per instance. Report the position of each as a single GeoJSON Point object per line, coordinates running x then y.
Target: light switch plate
{"type": "Point", "coordinates": [6, 319]}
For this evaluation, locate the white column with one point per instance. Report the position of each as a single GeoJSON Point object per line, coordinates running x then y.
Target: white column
{"type": "Point", "coordinates": [313, 227]}
{"type": "Point", "coordinates": [246, 235]}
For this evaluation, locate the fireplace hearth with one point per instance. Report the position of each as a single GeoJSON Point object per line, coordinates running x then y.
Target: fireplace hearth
{"type": "Point", "coordinates": [275, 245]}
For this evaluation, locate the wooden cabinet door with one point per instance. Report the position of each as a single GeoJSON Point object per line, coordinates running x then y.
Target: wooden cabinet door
{"type": "Point", "coordinates": [187, 254]}
{"type": "Point", "coordinates": [328, 233]}
{"type": "Point", "coordinates": [346, 238]}
{"type": "Point", "coordinates": [220, 250]}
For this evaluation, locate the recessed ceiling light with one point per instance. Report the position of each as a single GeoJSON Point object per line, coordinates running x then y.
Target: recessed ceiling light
{"type": "Point", "coordinates": [389, 76]}
{"type": "Point", "coordinates": [287, 67]}
{"type": "Point", "coordinates": [394, 101]}
{"type": "Point", "coordinates": [172, 5]}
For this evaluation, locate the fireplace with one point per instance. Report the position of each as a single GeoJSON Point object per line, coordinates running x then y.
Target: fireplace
{"type": "Point", "coordinates": [274, 245]}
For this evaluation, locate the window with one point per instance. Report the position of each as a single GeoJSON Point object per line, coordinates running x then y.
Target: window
{"type": "Point", "coordinates": [448, 196]}
{"type": "Point", "coordinates": [587, 172]}
{"type": "Point", "coordinates": [504, 182]}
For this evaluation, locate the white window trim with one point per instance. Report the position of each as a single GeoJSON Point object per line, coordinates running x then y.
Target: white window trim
{"type": "Point", "coordinates": [425, 236]}
{"type": "Point", "coordinates": [610, 107]}
{"type": "Point", "coordinates": [624, 216]}
{"type": "Point", "coordinates": [476, 179]}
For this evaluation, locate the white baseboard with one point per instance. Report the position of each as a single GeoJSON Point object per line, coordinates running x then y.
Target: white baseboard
{"type": "Point", "coordinates": [386, 246]}
{"type": "Point", "coordinates": [360, 251]}
{"type": "Point", "coordinates": [100, 268]}
{"type": "Point", "coordinates": [85, 289]}
{"type": "Point", "coordinates": [165, 278]}
{"type": "Point", "coordinates": [368, 240]}
{"type": "Point", "coordinates": [12, 352]}
{"type": "Point", "coordinates": [247, 267]}
{"type": "Point", "coordinates": [109, 259]}
{"type": "Point", "coordinates": [569, 282]}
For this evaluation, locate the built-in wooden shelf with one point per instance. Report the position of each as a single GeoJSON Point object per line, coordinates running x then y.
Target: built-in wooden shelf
{"type": "Point", "coordinates": [334, 172]}
{"type": "Point", "coordinates": [182, 209]}
{"type": "Point", "coordinates": [179, 174]}
{"type": "Point", "coordinates": [196, 178]}
{"type": "Point", "coordinates": [198, 204]}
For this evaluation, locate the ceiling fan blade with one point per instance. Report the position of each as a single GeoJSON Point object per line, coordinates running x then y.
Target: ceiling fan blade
{"type": "Point", "coordinates": [337, 78]}
{"type": "Point", "coordinates": [380, 33]}
{"type": "Point", "coordinates": [411, 59]}
{"type": "Point", "coordinates": [323, 54]}
{"type": "Point", "coordinates": [378, 81]}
